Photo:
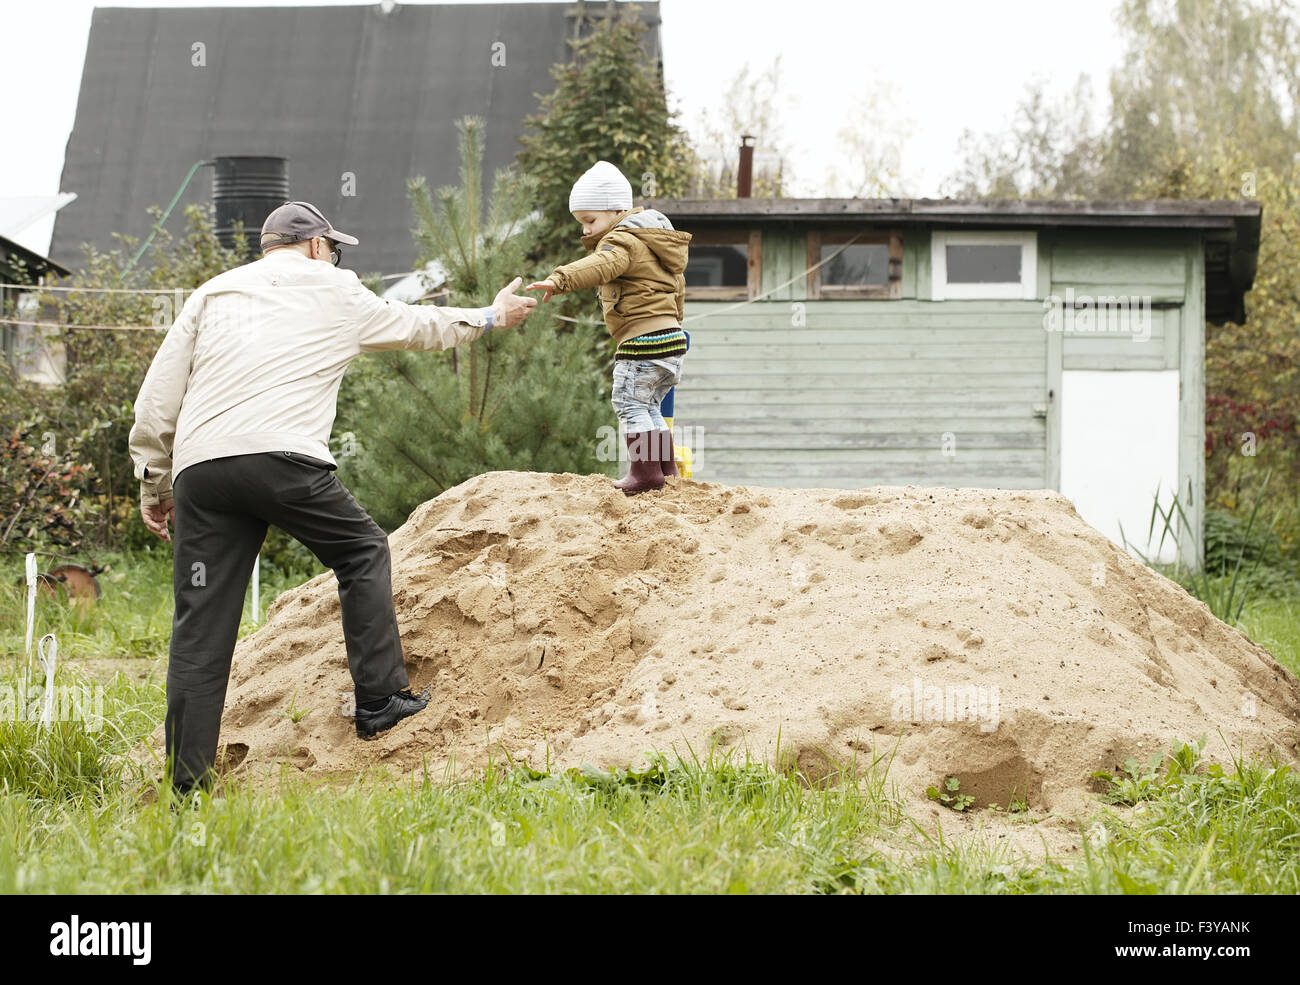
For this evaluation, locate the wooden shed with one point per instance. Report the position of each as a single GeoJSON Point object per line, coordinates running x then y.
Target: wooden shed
{"type": "Point", "coordinates": [997, 344]}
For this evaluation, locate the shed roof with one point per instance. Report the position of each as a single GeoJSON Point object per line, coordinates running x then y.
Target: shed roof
{"type": "Point", "coordinates": [359, 89]}
{"type": "Point", "coordinates": [35, 264]}
{"type": "Point", "coordinates": [1229, 229]}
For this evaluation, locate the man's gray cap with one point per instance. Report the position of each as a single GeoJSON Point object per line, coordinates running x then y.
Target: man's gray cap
{"type": "Point", "coordinates": [294, 222]}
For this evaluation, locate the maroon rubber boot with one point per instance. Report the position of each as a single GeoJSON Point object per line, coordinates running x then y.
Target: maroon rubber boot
{"type": "Point", "coordinates": [645, 472]}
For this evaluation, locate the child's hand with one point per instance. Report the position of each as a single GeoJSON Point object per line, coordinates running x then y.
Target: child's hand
{"type": "Point", "coordinates": [542, 285]}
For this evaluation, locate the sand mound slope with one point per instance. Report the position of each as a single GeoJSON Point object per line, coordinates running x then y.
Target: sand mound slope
{"type": "Point", "coordinates": [989, 635]}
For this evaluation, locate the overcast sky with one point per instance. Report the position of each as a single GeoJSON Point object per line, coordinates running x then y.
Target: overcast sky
{"type": "Point", "coordinates": [942, 65]}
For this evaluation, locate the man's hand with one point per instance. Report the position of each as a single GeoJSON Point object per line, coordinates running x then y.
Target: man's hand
{"type": "Point", "coordinates": [156, 517]}
{"type": "Point", "coordinates": [542, 285]}
{"type": "Point", "coordinates": [508, 309]}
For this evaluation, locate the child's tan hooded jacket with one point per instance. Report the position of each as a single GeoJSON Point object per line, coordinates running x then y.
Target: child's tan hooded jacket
{"type": "Point", "coordinates": [639, 270]}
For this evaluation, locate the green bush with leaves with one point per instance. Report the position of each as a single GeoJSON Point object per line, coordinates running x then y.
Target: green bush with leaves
{"type": "Point", "coordinates": [1230, 538]}
{"type": "Point", "coordinates": [88, 417]}
{"type": "Point", "coordinates": [39, 499]}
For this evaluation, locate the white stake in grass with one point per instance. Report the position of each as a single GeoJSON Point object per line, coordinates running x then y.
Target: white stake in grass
{"type": "Point", "coordinates": [48, 661]}
{"type": "Point", "coordinates": [31, 608]}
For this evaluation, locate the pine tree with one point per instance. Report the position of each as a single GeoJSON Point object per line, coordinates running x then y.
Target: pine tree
{"type": "Point", "coordinates": [526, 398]}
{"type": "Point", "coordinates": [608, 104]}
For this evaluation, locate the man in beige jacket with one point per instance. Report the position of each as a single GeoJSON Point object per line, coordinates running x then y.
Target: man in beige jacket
{"type": "Point", "coordinates": [231, 430]}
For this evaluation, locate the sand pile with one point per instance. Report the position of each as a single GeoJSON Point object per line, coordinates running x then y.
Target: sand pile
{"type": "Point", "coordinates": [989, 635]}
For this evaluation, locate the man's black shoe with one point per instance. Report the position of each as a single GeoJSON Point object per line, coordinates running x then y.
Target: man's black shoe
{"type": "Point", "coordinates": [400, 705]}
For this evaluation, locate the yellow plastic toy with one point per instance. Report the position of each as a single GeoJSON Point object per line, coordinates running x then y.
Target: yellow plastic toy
{"type": "Point", "coordinates": [681, 453]}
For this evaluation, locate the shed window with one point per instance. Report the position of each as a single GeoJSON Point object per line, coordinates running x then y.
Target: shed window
{"type": "Point", "coordinates": [724, 264]}
{"type": "Point", "coordinates": [718, 266]}
{"type": "Point", "coordinates": [984, 265]}
{"type": "Point", "coordinates": [857, 266]}
{"type": "Point", "coordinates": [855, 263]}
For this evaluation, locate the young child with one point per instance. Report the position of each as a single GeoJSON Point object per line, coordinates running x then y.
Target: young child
{"type": "Point", "coordinates": [637, 264]}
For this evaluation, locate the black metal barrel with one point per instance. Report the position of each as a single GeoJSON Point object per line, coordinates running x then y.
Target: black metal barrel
{"type": "Point", "coordinates": [247, 189]}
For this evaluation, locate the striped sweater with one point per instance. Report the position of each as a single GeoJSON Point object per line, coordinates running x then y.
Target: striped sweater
{"type": "Point", "coordinates": [654, 345]}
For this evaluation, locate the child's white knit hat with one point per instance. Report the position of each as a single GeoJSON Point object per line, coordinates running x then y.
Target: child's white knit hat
{"type": "Point", "coordinates": [601, 187]}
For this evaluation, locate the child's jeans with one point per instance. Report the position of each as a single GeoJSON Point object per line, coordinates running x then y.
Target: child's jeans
{"type": "Point", "coordinates": [640, 385]}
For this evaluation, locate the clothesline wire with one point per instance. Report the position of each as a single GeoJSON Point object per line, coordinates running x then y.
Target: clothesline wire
{"type": "Point", "coordinates": [577, 321]}
{"type": "Point", "coordinates": [39, 288]}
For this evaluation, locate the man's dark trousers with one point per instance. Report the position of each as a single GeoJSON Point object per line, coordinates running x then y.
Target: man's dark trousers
{"type": "Point", "coordinates": [223, 507]}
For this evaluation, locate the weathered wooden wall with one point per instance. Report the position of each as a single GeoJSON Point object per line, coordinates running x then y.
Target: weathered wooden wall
{"type": "Point", "coordinates": [849, 393]}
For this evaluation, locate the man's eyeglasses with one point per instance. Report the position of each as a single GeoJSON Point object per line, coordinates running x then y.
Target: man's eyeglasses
{"type": "Point", "coordinates": [336, 252]}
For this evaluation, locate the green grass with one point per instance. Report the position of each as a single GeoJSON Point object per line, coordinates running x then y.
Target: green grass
{"type": "Point", "coordinates": [717, 827]}
{"type": "Point", "coordinates": [705, 827]}
{"type": "Point", "coordinates": [1275, 625]}
{"type": "Point", "coordinates": [132, 618]}
{"type": "Point", "coordinates": [76, 815]}
{"type": "Point", "coordinates": [1208, 832]}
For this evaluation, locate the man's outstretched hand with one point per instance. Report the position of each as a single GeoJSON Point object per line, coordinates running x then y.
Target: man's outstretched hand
{"type": "Point", "coordinates": [156, 517]}
{"type": "Point", "coordinates": [509, 309]}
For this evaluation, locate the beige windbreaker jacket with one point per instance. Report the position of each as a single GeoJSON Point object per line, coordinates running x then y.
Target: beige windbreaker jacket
{"type": "Point", "coordinates": [254, 361]}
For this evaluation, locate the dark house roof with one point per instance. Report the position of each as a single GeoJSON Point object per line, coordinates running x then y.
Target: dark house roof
{"type": "Point", "coordinates": [334, 89]}
{"type": "Point", "coordinates": [1229, 229]}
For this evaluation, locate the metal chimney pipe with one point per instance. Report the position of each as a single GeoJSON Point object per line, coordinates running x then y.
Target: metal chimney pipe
{"type": "Point", "coordinates": [745, 171]}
